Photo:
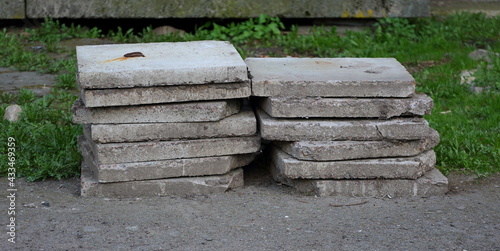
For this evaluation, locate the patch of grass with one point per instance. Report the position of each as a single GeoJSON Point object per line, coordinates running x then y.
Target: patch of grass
{"type": "Point", "coordinates": [45, 137]}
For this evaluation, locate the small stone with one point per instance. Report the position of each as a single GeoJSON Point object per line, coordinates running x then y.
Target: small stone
{"type": "Point", "coordinates": [45, 204]}
{"type": "Point", "coordinates": [163, 30]}
{"type": "Point", "coordinates": [29, 205]}
{"type": "Point", "coordinates": [132, 228]}
{"type": "Point", "coordinates": [481, 54]}
{"type": "Point", "coordinates": [461, 207]}
{"type": "Point", "coordinates": [12, 113]}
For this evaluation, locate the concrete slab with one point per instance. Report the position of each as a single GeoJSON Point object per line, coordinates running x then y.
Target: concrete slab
{"type": "Point", "coordinates": [345, 150]}
{"type": "Point", "coordinates": [225, 9]}
{"type": "Point", "coordinates": [329, 77]}
{"type": "Point", "coordinates": [284, 107]}
{"type": "Point", "coordinates": [90, 187]}
{"type": "Point", "coordinates": [160, 113]}
{"type": "Point", "coordinates": [433, 183]}
{"type": "Point", "coordinates": [182, 63]}
{"type": "Point", "coordinates": [161, 169]}
{"type": "Point", "coordinates": [164, 94]}
{"type": "Point", "coordinates": [116, 153]}
{"type": "Point", "coordinates": [12, 9]}
{"type": "Point", "coordinates": [341, 129]}
{"type": "Point", "coordinates": [12, 81]}
{"type": "Point", "coordinates": [287, 167]}
{"type": "Point", "coordinates": [240, 124]}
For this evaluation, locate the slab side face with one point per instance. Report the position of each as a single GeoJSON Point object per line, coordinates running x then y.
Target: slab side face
{"type": "Point", "coordinates": [163, 64]}
{"type": "Point", "coordinates": [160, 113]}
{"type": "Point", "coordinates": [114, 153]}
{"type": "Point", "coordinates": [161, 169]}
{"type": "Point", "coordinates": [433, 183]}
{"type": "Point", "coordinates": [240, 124]}
{"type": "Point", "coordinates": [164, 94]}
{"type": "Point", "coordinates": [282, 107]}
{"type": "Point", "coordinates": [341, 129]}
{"type": "Point", "coordinates": [345, 150]}
{"type": "Point", "coordinates": [389, 168]}
{"type": "Point", "coordinates": [161, 187]}
{"type": "Point", "coordinates": [12, 9]}
{"type": "Point", "coordinates": [329, 77]}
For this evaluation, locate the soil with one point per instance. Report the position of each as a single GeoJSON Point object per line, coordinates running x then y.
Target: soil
{"type": "Point", "coordinates": [262, 215]}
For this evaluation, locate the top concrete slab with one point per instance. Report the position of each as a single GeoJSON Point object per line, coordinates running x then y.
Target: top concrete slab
{"type": "Point", "coordinates": [329, 77]}
{"type": "Point", "coordinates": [163, 64]}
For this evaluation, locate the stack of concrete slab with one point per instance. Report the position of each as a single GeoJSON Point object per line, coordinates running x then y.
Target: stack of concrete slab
{"type": "Point", "coordinates": [346, 126]}
{"type": "Point", "coordinates": [163, 119]}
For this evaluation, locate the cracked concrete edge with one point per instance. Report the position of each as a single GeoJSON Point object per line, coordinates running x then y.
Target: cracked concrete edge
{"type": "Point", "coordinates": [433, 183]}
{"type": "Point", "coordinates": [318, 107]}
{"type": "Point", "coordinates": [202, 185]}
{"type": "Point", "coordinates": [287, 167]}
{"type": "Point", "coordinates": [345, 150]}
{"type": "Point", "coordinates": [148, 170]}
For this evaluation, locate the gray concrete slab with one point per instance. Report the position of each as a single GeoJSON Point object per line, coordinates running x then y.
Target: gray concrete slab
{"type": "Point", "coordinates": [90, 187]}
{"type": "Point", "coordinates": [240, 124]}
{"type": "Point", "coordinates": [329, 77]}
{"type": "Point", "coordinates": [12, 81]}
{"type": "Point", "coordinates": [311, 107]}
{"type": "Point", "coordinates": [12, 9]}
{"type": "Point", "coordinates": [345, 150]}
{"type": "Point", "coordinates": [341, 129]}
{"type": "Point", "coordinates": [164, 94]}
{"type": "Point", "coordinates": [288, 167]}
{"type": "Point", "coordinates": [225, 9]}
{"type": "Point", "coordinates": [163, 64]}
{"type": "Point", "coordinates": [433, 183]}
{"type": "Point", "coordinates": [115, 153]}
{"type": "Point", "coordinates": [159, 113]}
{"type": "Point", "coordinates": [161, 169]}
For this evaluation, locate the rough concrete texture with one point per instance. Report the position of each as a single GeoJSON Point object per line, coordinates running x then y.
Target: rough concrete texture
{"type": "Point", "coordinates": [182, 63]}
{"type": "Point", "coordinates": [225, 8]}
{"type": "Point", "coordinates": [433, 183]}
{"type": "Point", "coordinates": [160, 113]}
{"type": "Point", "coordinates": [161, 169]}
{"type": "Point", "coordinates": [164, 94]}
{"type": "Point", "coordinates": [12, 113]}
{"type": "Point", "coordinates": [161, 187]}
{"type": "Point", "coordinates": [11, 81]}
{"type": "Point", "coordinates": [114, 153]}
{"type": "Point", "coordinates": [341, 129]}
{"type": "Point", "coordinates": [287, 167]}
{"type": "Point", "coordinates": [12, 9]}
{"type": "Point", "coordinates": [329, 77]}
{"type": "Point", "coordinates": [284, 107]}
{"type": "Point", "coordinates": [345, 150]}
{"type": "Point", "coordinates": [240, 124]}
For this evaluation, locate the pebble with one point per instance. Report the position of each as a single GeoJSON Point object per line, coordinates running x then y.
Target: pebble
{"type": "Point", "coordinates": [132, 228]}
{"type": "Point", "coordinates": [12, 113]}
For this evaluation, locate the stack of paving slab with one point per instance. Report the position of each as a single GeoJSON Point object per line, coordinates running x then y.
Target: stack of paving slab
{"type": "Point", "coordinates": [346, 127]}
{"type": "Point", "coordinates": [163, 119]}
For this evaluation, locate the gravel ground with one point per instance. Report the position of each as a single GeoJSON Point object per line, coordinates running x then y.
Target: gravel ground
{"type": "Point", "coordinates": [262, 215]}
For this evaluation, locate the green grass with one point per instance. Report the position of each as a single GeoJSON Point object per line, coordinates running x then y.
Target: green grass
{"type": "Point", "coordinates": [434, 50]}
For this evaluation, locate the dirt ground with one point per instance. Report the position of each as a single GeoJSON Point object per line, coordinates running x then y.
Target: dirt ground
{"type": "Point", "coordinates": [262, 215]}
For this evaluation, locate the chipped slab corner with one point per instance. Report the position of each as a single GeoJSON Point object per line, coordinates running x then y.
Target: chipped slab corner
{"type": "Point", "coordinates": [203, 185]}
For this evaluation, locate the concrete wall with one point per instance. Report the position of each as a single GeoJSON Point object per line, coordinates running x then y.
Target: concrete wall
{"type": "Point", "coordinates": [218, 8]}
{"type": "Point", "coordinates": [12, 9]}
